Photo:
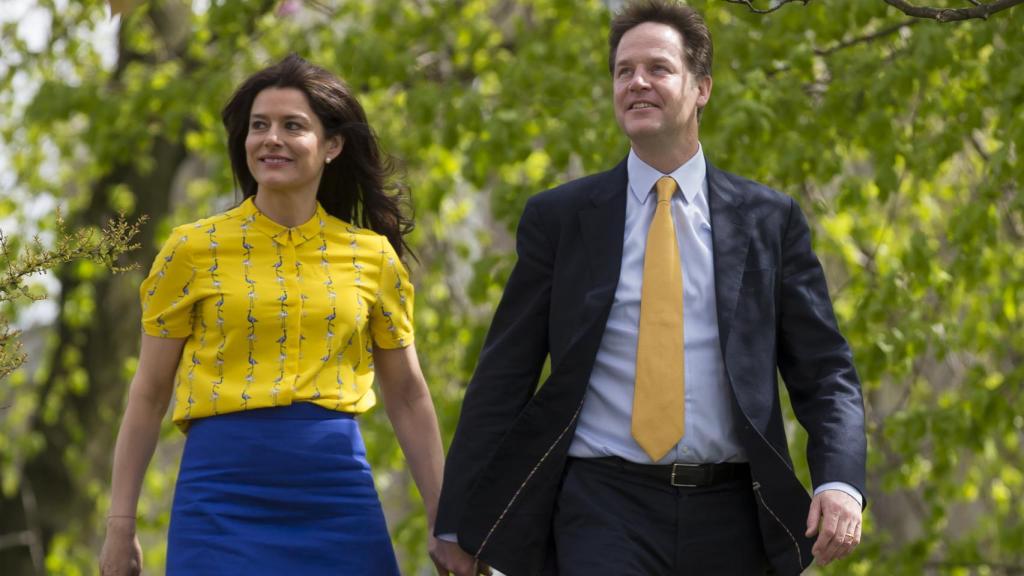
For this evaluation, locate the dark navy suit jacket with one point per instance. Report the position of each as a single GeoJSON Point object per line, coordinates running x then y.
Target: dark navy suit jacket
{"type": "Point", "coordinates": [505, 464]}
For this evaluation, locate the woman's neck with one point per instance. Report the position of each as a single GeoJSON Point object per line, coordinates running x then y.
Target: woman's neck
{"type": "Point", "coordinates": [286, 209]}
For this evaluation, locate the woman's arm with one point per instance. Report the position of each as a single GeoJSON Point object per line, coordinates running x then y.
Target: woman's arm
{"type": "Point", "coordinates": [411, 412]}
{"type": "Point", "coordinates": [148, 397]}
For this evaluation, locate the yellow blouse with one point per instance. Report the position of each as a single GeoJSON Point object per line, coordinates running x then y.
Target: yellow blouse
{"type": "Point", "coordinates": [275, 315]}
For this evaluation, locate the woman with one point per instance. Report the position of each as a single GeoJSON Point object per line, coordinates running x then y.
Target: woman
{"type": "Point", "coordinates": [275, 316]}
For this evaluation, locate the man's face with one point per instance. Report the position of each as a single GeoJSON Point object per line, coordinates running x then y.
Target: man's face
{"type": "Point", "coordinates": [656, 96]}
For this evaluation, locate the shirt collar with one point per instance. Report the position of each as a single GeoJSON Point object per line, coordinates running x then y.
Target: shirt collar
{"type": "Point", "coordinates": [303, 232]}
{"type": "Point", "coordinates": [690, 176]}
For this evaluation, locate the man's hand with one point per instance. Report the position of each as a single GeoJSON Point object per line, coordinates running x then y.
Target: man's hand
{"type": "Point", "coordinates": [449, 558]}
{"type": "Point", "coordinates": [835, 518]}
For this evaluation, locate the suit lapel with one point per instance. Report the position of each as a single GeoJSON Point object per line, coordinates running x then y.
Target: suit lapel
{"type": "Point", "coordinates": [731, 240]}
{"type": "Point", "coordinates": [602, 225]}
{"type": "Point", "coordinates": [602, 228]}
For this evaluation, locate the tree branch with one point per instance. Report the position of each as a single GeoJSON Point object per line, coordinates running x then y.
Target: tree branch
{"type": "Point", "coordinates": [979, 10]}
{"type": "Point", "coordinates": [16, 539]}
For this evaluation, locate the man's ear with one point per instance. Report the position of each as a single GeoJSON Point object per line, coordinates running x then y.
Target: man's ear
{"type": "Point", "coordinates": [703, 91]}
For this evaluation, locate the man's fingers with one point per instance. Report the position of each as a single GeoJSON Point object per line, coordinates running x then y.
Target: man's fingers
{"type": "Point", "coordinates": [851, 539]}
{"type": "Point", "coordinates": [836, 547]}
{"type": "Point", "coordinates": [846, 537]}
{"type": "Point", "coordinates": [838, 525]}
{"type": "Point", "coordinates": [826, 533]}
{"type": "Point", "coordinates": [842, 544]}
{"type": "Point", "coordinates": [829, 523]}
{"type": "Point", "coordinates": [813, 516]}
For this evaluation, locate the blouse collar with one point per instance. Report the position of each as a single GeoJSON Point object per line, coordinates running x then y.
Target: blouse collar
{"type": "Point", "coordinates": [283, 234]}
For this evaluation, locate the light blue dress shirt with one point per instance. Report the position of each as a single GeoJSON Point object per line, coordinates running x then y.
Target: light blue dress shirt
{"type": "Point", "coordinates": [605, 420]}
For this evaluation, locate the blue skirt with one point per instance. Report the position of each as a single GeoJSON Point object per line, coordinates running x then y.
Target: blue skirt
{"type": "Point", "coordinates": [277, 491]}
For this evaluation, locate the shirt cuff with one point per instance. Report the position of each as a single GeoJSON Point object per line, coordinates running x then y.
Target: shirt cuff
{"type": "Point", "coordinates": [842, 487]}
{"type": "Point", "coordinates": [450, 537]}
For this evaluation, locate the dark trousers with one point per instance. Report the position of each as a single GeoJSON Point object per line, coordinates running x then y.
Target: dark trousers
{"type": "Point", "coordinates": [615, 522]}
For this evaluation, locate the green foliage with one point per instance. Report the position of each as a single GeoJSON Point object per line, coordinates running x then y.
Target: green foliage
{"type": "Point", "coordinates": [906, 149]}
{"type": "Point", "coordinates": [903, 145]}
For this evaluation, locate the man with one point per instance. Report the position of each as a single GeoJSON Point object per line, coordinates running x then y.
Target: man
{"type": "Point", "coordinates": [667, 307]}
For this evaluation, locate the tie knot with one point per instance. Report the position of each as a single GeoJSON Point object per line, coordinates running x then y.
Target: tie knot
{"type": "Point", "coordinates": [666, 187]}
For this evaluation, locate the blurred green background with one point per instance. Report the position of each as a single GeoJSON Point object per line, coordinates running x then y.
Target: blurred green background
{"type": "Point", "coordinates": [901, 137]}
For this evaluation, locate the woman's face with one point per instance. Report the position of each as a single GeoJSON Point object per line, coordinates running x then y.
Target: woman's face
{"type": "Point", "coordinates": [285, 148]}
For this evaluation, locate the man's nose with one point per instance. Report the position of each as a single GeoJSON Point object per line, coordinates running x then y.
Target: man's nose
{"type": "Point", "coordinates": [639, 81]}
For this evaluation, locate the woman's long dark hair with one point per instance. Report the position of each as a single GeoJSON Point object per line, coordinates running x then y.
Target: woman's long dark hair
{"type": "Point", "coordinates": [355, 186]}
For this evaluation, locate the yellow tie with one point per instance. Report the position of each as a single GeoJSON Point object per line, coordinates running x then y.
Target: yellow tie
{"type": "Point", "coordinates": [658, 398]}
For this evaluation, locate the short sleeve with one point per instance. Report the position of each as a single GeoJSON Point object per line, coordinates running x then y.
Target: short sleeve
{"type": "Point", "coordinates": [168, 293]}
{"type": "Point", "coordinates": [391, 317]}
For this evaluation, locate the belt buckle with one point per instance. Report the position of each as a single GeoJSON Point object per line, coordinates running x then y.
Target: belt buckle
{"type": "Point", "coordinates": [675, 467]}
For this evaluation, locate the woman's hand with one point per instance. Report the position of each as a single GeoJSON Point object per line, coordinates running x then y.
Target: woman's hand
{"type": "Point", "coordinates": [121, 554]}
{"type": "Point", "coordinates": [450, 559]}
{"type": "Point", "coordinates": [148, 398]}
{"type": "Point", "coordinates": [409, 407]}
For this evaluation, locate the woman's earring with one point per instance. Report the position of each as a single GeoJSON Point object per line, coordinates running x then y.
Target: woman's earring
{"type": "Point", "coordinates": [328, 160]}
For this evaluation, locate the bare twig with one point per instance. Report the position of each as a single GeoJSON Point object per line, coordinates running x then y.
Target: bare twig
{"type": "Point", "coordinates": [775, 5]}
{"type": "Point", "coordinates": [866, 38]}
{"type": "Point", "coordinates": [35, 543]}
{"type": "Point", "coordinates": [978, 147]}
{"type": "Point", "coordinates": [996, 566]}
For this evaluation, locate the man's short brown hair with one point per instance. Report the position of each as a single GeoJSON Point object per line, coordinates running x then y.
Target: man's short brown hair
{"type": "Point", "coordinates": [685, 20]}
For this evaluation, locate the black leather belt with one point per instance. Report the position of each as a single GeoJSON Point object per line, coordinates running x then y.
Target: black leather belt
{"type": "Point", "coordinates": [682, 475]}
